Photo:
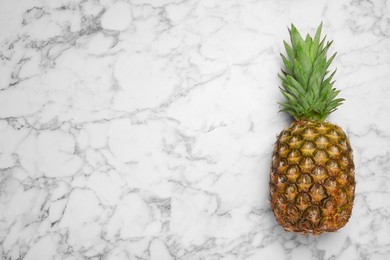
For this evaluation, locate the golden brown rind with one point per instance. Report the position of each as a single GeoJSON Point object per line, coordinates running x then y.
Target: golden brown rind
{"type": "Point", "coordinates": [312, 180]}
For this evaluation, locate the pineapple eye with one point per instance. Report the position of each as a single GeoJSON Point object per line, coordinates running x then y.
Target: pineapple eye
{"type": "Point", "coordinates": [345, 145]}
{"type": "Point", "coordinates": [292, 170]}
{"type": "Point", "coordinates": [305, 179]}
{"type": "Point", "coordinates": [333, 133]}
{"type": "Point", "coordinates": [281, 202]}
{"type": "Point", "coordinates": [342, 178]}
{"type": "Point", "coordinates": [309, 133]}
{"type": "Point", "coordinates": [305, 225]}
{"type": "Point", "coordinates": [296, 128]}
{"type": "Point", "coordinates": [342, 197]}
{"type": "Point", "coordinates": [282, 165]}
{"type": "Point", "coordinates": [273, 188]}
{"type": "Point", "coordinates": [284, 135]}
{"type": "Point", "coordinates": [319, 174]}
{"type": "Point", "coordinates": [333, 166]}
{"type": "Point", "coordinates": [293, 157]}
{"type": "Point", "coordinates": [292, 173]}
{"type": "Point", "coordinates": [308, 161]}
{"type": "Point", "coordinates": [291, 192]}
{"type": "Point", "coordinates": [320, 156]}
{"type": "Point", "coordinates": [331, 184]}
{"type": "Point", "coordinates": [283, 149]}
{"type": "Point", "coordinates": [333, 150]}
{"type": "Point", "coordinates": [306, 164]}
{"type": "Point", "coordinates": [322, 128]}
{"type": "Point", "coordinates": [343, 216]}
{"type": "Point", "coordinates": [308, 146]}
{"type": "Point", "coordinates": [340, 132]}
{"type": "Point", "coordinates": [317, 192]}
{"type": "Point", "coordinates": [319, 171]}
{"type": "Point", "coordinates": [281, 199]}
{"type": "Point", "coordinates": [322, 141]}
{"type": "Point", "coordinates": [329, 204]}
{"type": "Point", "coordinates": [344, 161]}
{"type": "Point", "coordinates": [291, 188]}
{"type": "Point", "coordinates": [304, 182]}
{"type": "Point", "coordinates": [292, 212]}
{"type": "Point", "coordinates": [302, 200]}
{"type": "Point", "coordinates": [293, 154]}
{"type": "Point", "coordinates": [294, 141]}
{"type": "Point", "coordinates": [295, 138]}
{"type": "Point", "coordinates": [282, 179]}
{"type": "Point", "coordinates": [313, 214]}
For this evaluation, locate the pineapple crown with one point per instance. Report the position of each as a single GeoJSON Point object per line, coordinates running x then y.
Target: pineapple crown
{"type": "Point", "coordinates": [307, 85]}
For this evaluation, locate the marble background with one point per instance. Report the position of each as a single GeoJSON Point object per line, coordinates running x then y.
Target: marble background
{"type": "Point", "coordinates": [143, 129]}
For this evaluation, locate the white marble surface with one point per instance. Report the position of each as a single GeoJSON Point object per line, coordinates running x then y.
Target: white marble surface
{"type": "Point", "coordinates": [143, 129]}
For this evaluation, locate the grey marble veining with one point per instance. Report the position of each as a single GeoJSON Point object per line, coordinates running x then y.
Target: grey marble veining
{"type": "Point", "coordinates": [143, 129]}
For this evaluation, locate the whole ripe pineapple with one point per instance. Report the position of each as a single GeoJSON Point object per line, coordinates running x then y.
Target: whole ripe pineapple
{"type": "Point", "coordinates": [312, 182]}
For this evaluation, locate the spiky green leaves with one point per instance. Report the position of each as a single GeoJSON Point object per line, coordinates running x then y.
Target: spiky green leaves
{"type": "Point", "coordinates": [306, 84]}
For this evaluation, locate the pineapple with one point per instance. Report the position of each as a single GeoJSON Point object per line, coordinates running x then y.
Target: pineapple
{"type": "Point", "coordinates": [312, 182]}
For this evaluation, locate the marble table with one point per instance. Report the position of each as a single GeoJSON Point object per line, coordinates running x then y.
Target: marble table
{"type": "Point", "coordinates": [143, 129]}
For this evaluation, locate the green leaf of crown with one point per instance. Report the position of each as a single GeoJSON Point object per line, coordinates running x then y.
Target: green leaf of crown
{"type": "Point", "coordinates": [307, 85]}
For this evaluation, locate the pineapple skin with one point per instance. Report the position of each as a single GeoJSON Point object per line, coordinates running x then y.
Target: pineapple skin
{"type": "Point", "coordinates": [312, 180]}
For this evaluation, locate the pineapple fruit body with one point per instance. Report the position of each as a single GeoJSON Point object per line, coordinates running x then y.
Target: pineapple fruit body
{"type": "Point", "coordinates": [312, 182]}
